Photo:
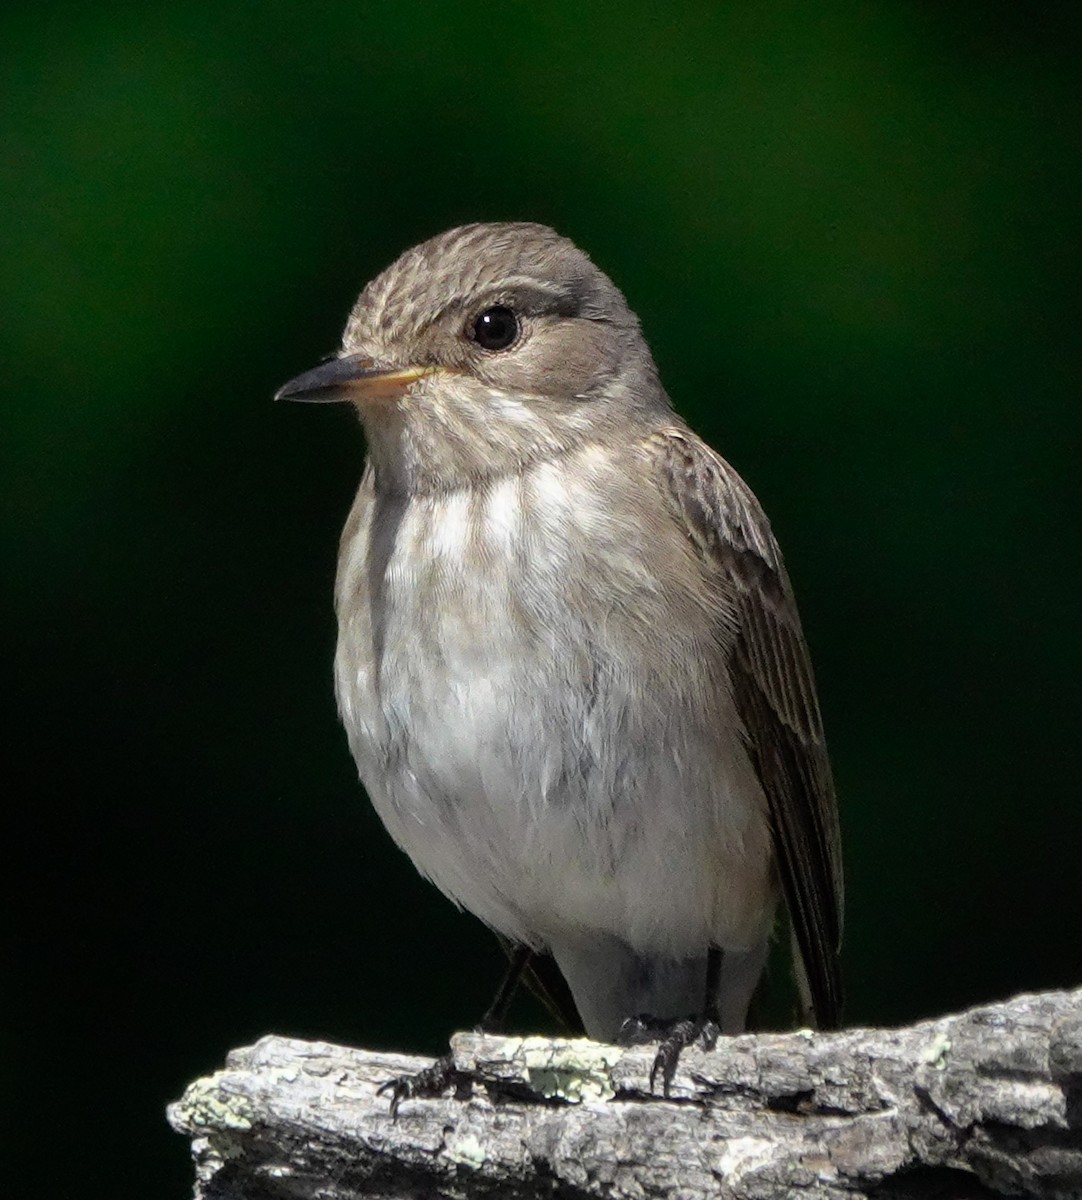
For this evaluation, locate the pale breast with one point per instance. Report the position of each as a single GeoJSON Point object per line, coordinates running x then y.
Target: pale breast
{"type": "Point", "coordinates": [531, 679]}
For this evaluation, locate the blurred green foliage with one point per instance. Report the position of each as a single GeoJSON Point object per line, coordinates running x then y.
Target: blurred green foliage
{"type": "Point", "coordinates": [851, 233]}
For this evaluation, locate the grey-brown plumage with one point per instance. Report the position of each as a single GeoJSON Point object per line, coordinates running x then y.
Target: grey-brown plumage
{"type": "Point", "coordinates": [569, 662]}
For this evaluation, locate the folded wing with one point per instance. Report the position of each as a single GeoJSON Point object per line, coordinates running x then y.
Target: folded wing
{"type": "Point", "coordinates": [774, 693]}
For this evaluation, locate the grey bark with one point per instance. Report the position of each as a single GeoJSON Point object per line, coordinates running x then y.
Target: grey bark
{"type": "Point", "coordinates": [983, 1103]}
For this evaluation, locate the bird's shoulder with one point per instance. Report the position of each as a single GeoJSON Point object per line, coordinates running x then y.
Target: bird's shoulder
{"type": "Point", "coordinates": [715, 508]}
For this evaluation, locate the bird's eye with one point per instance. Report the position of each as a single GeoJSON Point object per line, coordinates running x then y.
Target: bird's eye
{"type": "Point", "coordinates": [496, 328]}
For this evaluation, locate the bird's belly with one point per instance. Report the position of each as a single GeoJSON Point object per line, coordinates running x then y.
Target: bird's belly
{"type": "Point", "coordinates": [542, 770]}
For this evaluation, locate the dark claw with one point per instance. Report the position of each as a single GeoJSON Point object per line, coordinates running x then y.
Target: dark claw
{"type": "Point", "coordinates": [428, 1084]}
{"type": "Point", "coordinates": [673, 1036]}
{"type": "Point", "coordinates": [682, 1033]}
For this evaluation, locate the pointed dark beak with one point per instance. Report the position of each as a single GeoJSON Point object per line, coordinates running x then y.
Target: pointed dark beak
{"type": "Point", "coordinates": [354, 377]}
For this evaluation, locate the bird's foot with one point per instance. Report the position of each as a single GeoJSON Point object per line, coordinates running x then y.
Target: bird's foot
{"type": "Point", "coordinates": [674, 1036]}
{"type": "Point", "coordinates": [429, 1083]}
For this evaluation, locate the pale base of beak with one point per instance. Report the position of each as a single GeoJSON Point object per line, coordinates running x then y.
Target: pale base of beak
{"type": "Point", "coordinates": [351, 378]}
{"type": "Point", "coordinates": [386, 385]}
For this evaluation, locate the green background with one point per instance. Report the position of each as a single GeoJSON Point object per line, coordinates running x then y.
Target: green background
{"type": "Point", "coordinates": [851, 233]}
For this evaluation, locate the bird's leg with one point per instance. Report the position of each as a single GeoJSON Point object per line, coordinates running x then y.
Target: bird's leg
{"type": "Point", "coordinates": [431, 1082]}
{"type": "Point", "coordinates": [705, 1025]}
{"type": "Point", "coordinates": [494, 1019]}
{"type": "Point", "coordinates": [675, 1035]}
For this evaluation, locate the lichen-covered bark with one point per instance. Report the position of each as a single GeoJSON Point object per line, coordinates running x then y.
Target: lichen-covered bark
{"type": "Point", "coordinates": [984, 1103]}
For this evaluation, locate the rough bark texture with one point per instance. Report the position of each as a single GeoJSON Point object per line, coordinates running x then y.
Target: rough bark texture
{"type": "Point", "coordinates": [984, 1103]}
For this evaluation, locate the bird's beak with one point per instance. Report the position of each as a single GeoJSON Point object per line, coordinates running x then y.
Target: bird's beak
{"type": "Point", "coordinates": [353, 377]}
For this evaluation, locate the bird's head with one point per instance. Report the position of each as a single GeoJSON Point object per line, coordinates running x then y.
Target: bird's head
{"type": "Point", "coordinates": [481, 350]}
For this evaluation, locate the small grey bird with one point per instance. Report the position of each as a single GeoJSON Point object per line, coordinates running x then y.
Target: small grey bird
{"type": "Point", "coordinates": [569, 661]}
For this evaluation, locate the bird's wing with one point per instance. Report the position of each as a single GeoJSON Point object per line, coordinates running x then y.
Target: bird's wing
{"type": "Point", "coordinates": [774, 693]}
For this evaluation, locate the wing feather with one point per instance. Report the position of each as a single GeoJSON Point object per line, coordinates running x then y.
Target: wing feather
{"type": "Point", "coordinates": [774, 693]}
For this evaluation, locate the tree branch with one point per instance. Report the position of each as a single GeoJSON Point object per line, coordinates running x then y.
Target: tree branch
{"type": "Point", "coordinates": [983, 1103]}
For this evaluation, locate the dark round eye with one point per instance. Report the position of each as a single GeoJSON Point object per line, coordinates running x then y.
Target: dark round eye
{"type": "Point", "coordinates": [496, 328]}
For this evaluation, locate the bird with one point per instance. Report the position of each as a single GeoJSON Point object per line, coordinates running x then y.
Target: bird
{"type": "Point", "coordinates": [569, 664]}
